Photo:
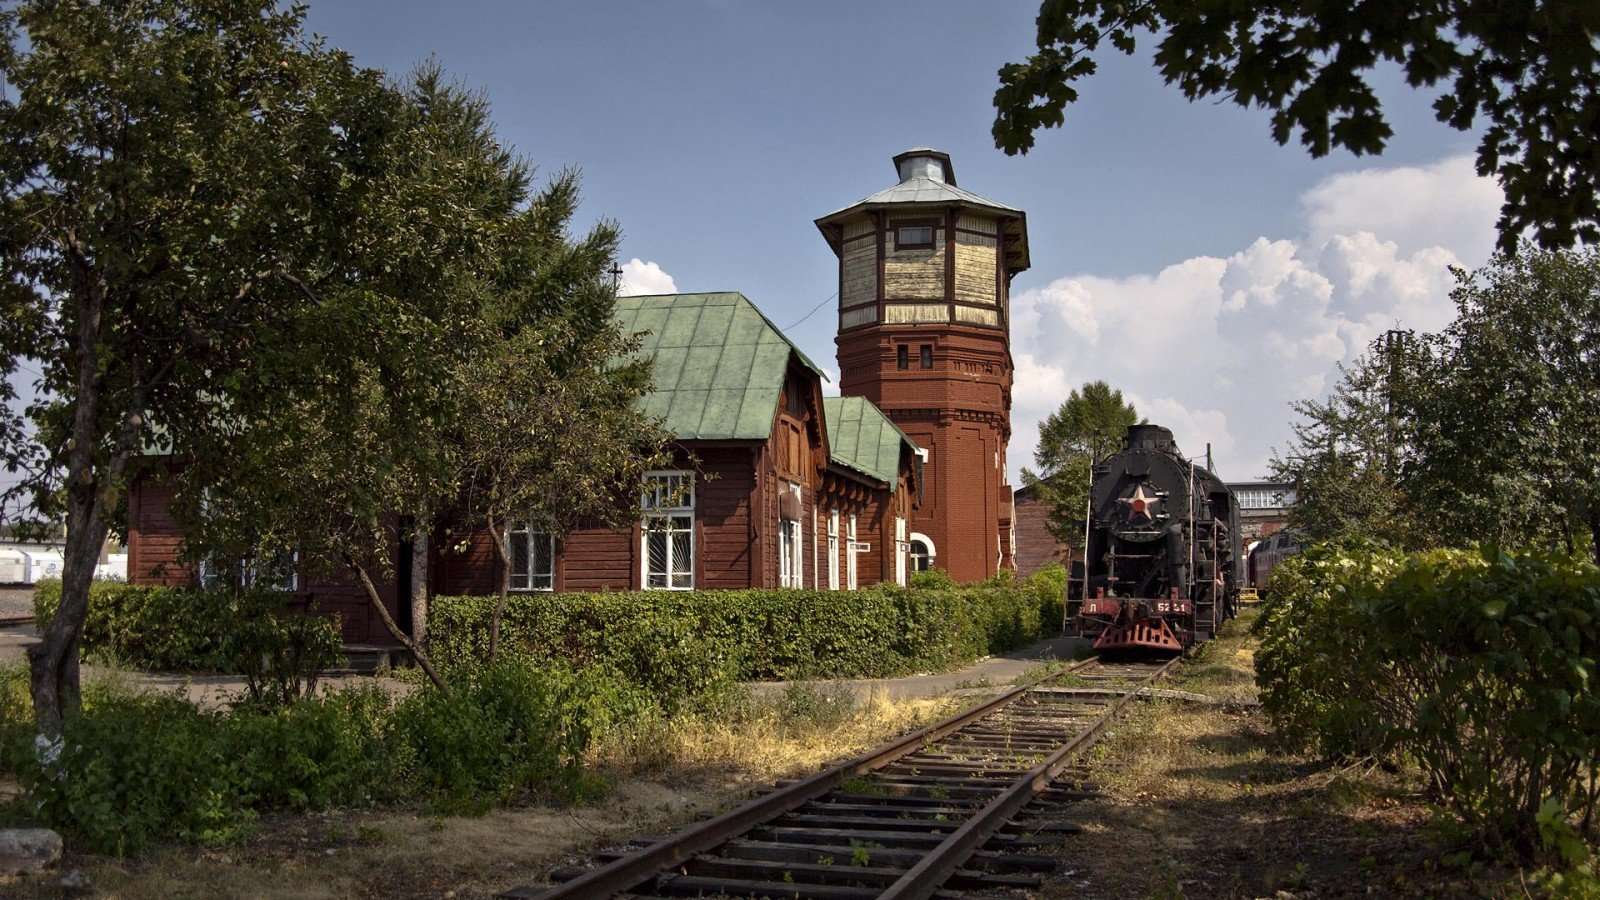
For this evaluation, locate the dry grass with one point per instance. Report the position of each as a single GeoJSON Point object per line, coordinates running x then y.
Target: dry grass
{"type": "Point", "coordinates": [664, 774]}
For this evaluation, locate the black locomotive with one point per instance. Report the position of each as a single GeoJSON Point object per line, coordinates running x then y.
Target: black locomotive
{"type": "Point", "coordinates": [1164, 564]}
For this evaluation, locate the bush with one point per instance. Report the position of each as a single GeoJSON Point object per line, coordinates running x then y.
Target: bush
{"type": "Point", "coordinates": [251, 633]}
{"type": "Point", "coordinates": [134, 768]}
{"type": "Point", "coordinates": [682, 647]}
{"type": "Point", "coordinates": [1477, 667]}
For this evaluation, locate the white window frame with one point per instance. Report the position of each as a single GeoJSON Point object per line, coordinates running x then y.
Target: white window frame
{"type": "Point", "coordinates": [833, 550]}
{"type": "Point", "coordinates": [791, 548]}
{"type": "Point", "coordinates": [663, 503]}
{"type": "Point", "coordinates": [933, 553]}
{"type": "Point", "coordinates": [244, 573]}
{"type": "Point", "coordinates": [902, 549]}
{"type": "Point", "coordinates": [521, 530]}
{"type": "Point", "coordinates": [851, 580]}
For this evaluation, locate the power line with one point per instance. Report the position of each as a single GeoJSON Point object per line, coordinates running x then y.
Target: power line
{"type": "Point", "coordinates": [813, 310]}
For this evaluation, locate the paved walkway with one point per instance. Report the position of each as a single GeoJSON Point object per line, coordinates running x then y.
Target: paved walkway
{"type": "Point", "coordinates": [990, 671]}
{"type": "Point", "coordinates": [215, 690]}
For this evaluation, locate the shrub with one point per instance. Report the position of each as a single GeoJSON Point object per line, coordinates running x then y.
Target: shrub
{"type": "Point", "coordinates": [681, 647]}
{"type": "Point", "coordinates": [1477, 667]}
{"type": "Point", "coordinates": [251, 633]}
{"type": "Point", "coordinates": [134, 768]}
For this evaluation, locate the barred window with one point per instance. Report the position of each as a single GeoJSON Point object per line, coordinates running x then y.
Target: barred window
{"type": "Point", "coordinates": [668, 531]}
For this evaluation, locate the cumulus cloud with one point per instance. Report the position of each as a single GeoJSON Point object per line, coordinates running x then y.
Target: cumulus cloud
{"type": "Point", "coordinates": [1217, 348]}
{"type": "Point", "coordinates": [640, 277]}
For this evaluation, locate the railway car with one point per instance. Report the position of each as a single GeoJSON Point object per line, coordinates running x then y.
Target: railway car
{"type": "Point", "coordinates": [1267, 554]}
{"type": "Point", "coordinates": [1163, 548]}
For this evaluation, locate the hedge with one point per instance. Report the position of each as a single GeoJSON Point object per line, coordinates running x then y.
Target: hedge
{"type": "Point", "coordinates": [252, 633]}
{"type": "Point", "coordinates": [1479, 668]}
{"type": "Point", "coordinates": [679, 645]}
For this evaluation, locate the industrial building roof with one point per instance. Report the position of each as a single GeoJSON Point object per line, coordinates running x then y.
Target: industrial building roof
{"type": "Point", "coordinates": [862, 438]}
{"type": "Point", "coordinates": [719, 363]}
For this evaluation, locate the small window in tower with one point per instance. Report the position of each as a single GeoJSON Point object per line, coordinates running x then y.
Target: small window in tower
{"type": "Point", "coordinates": [902, 357]}
{"type": "Point", "coordinates": [927, 356]}
{"type": "Point", "coordinates": [913, 236]}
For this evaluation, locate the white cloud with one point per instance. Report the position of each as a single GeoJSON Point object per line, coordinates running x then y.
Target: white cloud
{"type": "Point", "coordinates": [1217, 348]}
{"type": "Point", "coordinates": [640, 277]}
{"type": "Point", "coordinates": [1444, 204]}
{"type": "Point", "coordinates": [830, 381]}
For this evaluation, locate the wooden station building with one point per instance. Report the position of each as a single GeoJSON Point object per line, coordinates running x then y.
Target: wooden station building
{"type": "Point", "coordinates": [775, 485]}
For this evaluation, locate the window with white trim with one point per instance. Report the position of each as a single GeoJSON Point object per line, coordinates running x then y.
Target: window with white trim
{"type": "Point", "coordinates": [850, 556]}
{"type": "Point", "coordinates": [281, 574]}
{"type": "Point", "coordinates": [791, 568]}
{"type": "Point", "coordinates": [533, 558]}
{"type": "Point", "coordinates": [901, 549]}
{"type": "Point", "coordinates": [833, 550]}
{"type": "Point", "coordinates": [667, 531]}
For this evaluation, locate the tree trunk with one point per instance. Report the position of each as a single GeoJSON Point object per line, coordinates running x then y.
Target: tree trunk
{"type": "Point", "coordinates": [389, 623]}
{"type": "Point", "coordinates": [53, 662]}
{"type": "Point", "coordinates": [419, 581]}
{"type": "Point", "coordinates": [1594, 533]}
{"type": "Point", "coordinates": [502, 550]}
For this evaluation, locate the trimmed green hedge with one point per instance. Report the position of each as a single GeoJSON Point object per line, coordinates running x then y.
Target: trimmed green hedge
{"type": "Point", "coordinates": [179, 629]}
{"type": "Point", "coordinates": [681, 645]}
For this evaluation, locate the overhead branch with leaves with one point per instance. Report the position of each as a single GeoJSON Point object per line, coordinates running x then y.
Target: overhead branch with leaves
{"type": "Point", "coordinates": [1524, 74]}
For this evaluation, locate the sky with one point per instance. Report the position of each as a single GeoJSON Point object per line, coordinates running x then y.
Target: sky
{"type": "Point", "coordinates": [1177, 252]}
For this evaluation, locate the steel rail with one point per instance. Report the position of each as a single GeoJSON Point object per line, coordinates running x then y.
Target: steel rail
{"type": "Point", "coordinates": [638, 867]}
{"type": "Point", "coordinates": [925, 878]}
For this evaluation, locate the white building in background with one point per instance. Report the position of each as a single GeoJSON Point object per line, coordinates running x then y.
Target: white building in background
{"type": "Point", "coordinates": [29, 563]}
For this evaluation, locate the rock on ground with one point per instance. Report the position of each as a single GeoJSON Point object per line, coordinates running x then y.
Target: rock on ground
{"type": "Point", "coordinates": [24, 850]}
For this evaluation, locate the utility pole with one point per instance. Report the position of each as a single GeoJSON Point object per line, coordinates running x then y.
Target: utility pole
{"type": "Point", "coordinates": [616, 275]}
{"type": "Point", "coordinates": [1393, 342]}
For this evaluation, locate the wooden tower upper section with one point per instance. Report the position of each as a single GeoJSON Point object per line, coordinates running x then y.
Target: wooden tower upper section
{"type": "Point", "coordinates": [925, 269]}
{"type": "Point", "coordinates": [925, 251]}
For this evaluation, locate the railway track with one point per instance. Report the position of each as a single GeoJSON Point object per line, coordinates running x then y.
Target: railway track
{"type": "Point", "coordinates": [958, 807]}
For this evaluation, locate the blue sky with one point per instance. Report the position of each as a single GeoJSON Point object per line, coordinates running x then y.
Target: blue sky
{"type": "Point", "coordinates": [1164, 234]}
{"type": "Point", "coordinates": [1177, 251]}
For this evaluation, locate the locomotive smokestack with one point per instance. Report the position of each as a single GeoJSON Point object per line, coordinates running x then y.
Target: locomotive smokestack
{"type": "Point", "coordinates": [1150, 437]}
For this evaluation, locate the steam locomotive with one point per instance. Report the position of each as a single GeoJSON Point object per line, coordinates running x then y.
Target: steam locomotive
{"type": "Point", "coordinates": [1163, 561]}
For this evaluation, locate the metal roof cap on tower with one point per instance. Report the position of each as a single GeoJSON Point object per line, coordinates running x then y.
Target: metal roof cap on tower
{"type": "Point", "coordinates": [927, 177]}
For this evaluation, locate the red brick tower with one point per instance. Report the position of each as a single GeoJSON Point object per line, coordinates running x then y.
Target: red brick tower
{"type": "Point", "coordinates": [924, 305]}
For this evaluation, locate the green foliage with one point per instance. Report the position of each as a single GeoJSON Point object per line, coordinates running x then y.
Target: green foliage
{"type": "Point", "coordinates": [682, 646]}
{"type": "Point", "coordinates": [1478, 667]}
{"type": "Point", "coordinates": [1091, 424]}
{"type": "Point", "coordinates": [246, 632]}
{"type": "Point", "coordinates": [1486, 432]}
{"type": "Point", "coordinates": [931, 580]}
{"type": "Point", "coordinates": [1525, 70]}
{"type": "Point", "coordinates": [135, 768]}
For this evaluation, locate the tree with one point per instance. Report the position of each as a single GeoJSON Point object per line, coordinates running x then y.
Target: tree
{"type": "Point", "coordinates": [1508, 435]}
{"type": "Point", "coordinates": [551, 434]}
{"type": "Point", "coordinates": [1529, 70]}
{"type": "Point", "coordinates": [1090, 425]}
{"type": "Point", "coordinates": [1344, 457]}
{"type": "Point", "coordinates": [174, 174]}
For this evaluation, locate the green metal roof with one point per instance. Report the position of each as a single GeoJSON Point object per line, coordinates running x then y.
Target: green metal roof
{"type": "Point", "coordinates": [861, 437]}
{"type": "Point", "coordinates": [719, 363]}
